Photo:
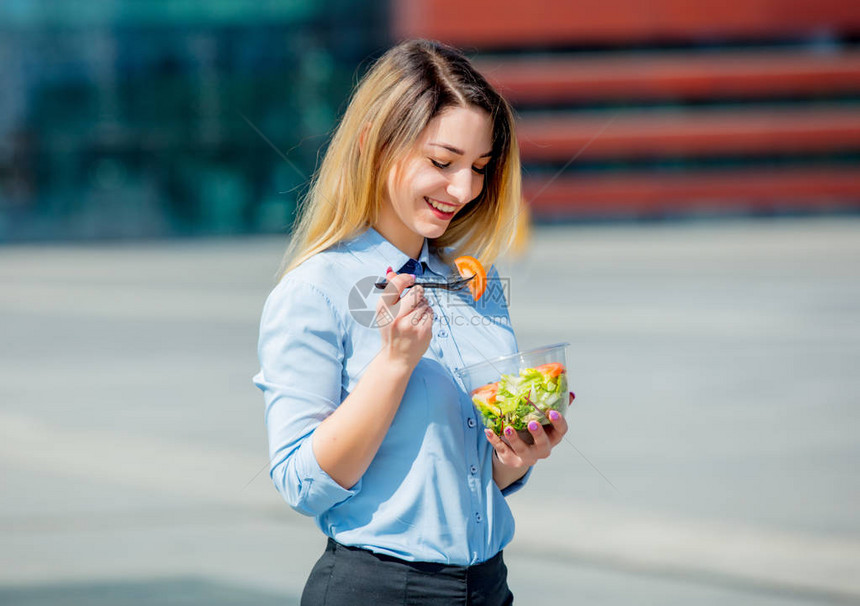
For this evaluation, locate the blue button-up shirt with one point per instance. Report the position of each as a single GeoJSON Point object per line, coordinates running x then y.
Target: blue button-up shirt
{"type": "Point", "coordinates": [428, 494]}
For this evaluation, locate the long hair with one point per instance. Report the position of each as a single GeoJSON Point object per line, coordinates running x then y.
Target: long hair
{"type": "Point", "coordinates": [404, 90]}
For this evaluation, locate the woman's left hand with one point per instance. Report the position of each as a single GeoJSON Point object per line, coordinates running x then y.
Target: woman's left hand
{"type": "Point", "coordinates": [516, 453]}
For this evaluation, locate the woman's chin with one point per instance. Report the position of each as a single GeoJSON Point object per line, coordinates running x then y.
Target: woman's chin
{"type": "Point", "coordinates": [434, 230]}
{"type": "Point", "coordinates": [432, 227]}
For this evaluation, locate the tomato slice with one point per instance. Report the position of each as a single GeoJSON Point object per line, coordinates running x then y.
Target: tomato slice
{"type": "Point", "coordinates": [470, 266]}
{"type": "Point", "coordinates": [553, 369]}
{"type": "Point", "coordinates": [486, 398]}
{"type": "Point", "coordinates": [487, 392]}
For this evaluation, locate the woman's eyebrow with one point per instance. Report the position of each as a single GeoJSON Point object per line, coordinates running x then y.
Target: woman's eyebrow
{"type": "Point", "coordinates": [459, 152]}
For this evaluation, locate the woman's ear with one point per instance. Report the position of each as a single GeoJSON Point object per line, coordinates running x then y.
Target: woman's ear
{"type": "Point", "coordinates": [363, 136]}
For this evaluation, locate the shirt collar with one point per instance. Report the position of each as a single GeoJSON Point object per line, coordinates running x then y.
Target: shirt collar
{"type": "Point", "coordinates": [396, 258]}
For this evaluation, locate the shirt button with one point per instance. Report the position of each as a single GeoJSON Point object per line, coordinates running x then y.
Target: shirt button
{"type": "Point", "coordinates": [473, 469]}
{"type": "Point", "coordinates": [478, 518]}
{"type": "Point", "coordinates": [471, 422]}
{"type": "Point", "coordinates": [442, 334]}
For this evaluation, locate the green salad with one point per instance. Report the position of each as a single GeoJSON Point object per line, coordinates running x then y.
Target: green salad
{"type": "Point", "coordinates": [516, 400]}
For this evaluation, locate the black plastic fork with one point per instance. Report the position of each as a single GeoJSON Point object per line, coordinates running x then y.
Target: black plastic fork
{"type": "Point", "coordinates": [451, 284]}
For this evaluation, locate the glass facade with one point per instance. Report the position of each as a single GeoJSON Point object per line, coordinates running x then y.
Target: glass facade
{"type": "Point", "coordinates": [162, 118]}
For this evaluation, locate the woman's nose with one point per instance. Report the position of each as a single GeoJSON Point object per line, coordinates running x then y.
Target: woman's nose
{"type": "Point", "coordinates": [460, 186]}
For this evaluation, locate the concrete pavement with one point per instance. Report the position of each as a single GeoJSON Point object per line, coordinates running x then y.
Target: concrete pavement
{"type": "Point", "coordinates": [715, 370]}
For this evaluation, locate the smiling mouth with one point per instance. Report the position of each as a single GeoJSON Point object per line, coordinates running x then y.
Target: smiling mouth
{"type": "Point", "coordinates": [445, 209]}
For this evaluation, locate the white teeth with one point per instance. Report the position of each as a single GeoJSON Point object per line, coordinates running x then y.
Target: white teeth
{"type": "Point", "coordinates": [443, 207]}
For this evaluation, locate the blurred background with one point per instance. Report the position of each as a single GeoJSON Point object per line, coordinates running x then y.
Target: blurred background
{"type": "Point", "coordinates": [150, 119]}
{"type": "Point", "coordinates": [692, 172]}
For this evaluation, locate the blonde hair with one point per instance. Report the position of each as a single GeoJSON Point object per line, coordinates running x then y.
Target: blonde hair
{"type": "Point", "coordinates": [407, 87]}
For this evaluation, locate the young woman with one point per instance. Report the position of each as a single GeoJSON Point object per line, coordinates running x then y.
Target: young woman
{"type": "Point", "coordinates": [369, 430]}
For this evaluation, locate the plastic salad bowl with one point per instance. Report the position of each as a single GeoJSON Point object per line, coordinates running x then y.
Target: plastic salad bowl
{"type": "Point", "coordinates": [519, 388]}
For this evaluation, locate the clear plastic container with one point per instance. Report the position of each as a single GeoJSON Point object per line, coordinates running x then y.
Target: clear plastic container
{"type": "Point", "coordinates": [519, 388]}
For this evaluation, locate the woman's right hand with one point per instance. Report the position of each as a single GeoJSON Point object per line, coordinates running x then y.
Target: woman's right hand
{"type": "Point", "coordinates": [406, 324]}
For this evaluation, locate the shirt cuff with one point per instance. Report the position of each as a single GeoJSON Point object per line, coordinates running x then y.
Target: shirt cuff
{"type": "Point", "coordinates": [518, 484]}
{"type": "Point", "coordinates": [317, 491]}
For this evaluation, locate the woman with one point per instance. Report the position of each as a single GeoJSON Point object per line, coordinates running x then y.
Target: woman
{"type": "Point", "coordinates": [369, 431]}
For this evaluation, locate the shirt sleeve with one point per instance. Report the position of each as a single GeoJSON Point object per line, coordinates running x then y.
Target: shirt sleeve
{"type": "Point", "coordinates": [515, 486]}
{"type": "Point", "coordinates": [301, 362]}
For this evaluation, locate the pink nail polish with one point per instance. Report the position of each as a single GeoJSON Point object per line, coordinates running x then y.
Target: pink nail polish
{"type": "Point", "coordinates": [553, 415]}
{"type": "Point", "coordinates": [388, 271]}
{"type": "Point", "coordinates": [533, 425]}
{"type": "Point", "coordinates": [572, 396]}
{"type": "Point", "coordinates": [509, 431]}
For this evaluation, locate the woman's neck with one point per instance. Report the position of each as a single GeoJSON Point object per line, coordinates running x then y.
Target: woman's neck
{"type": "Point", "coordinates": [405, 240]}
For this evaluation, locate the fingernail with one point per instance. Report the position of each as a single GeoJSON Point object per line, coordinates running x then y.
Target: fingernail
{"type": "Point", "coordinates": [572, 396]}
{"type": "Point", "coordinates": [413, 276]}
{"type": "Point", "coordinates": [553, 415]}
{"type": "Point", "coordinates": [533, 425]}
{"type": "Point", "coordinates": [488, 433]}
{"type": "Point", "coordinates": [509, 431]}
{"type": "Point", "coordinates": [388, 271]}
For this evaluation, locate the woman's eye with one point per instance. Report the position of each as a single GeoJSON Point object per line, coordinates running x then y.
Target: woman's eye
{"type": "Point", "coordinates": [479, 171]}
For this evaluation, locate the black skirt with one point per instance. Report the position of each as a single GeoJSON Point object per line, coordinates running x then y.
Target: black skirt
{"type": "Point", "coordinates": [350, 576]}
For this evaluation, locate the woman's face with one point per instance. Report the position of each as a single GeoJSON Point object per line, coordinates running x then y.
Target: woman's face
{"type": "Point", "coordinates": [435, 181]}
